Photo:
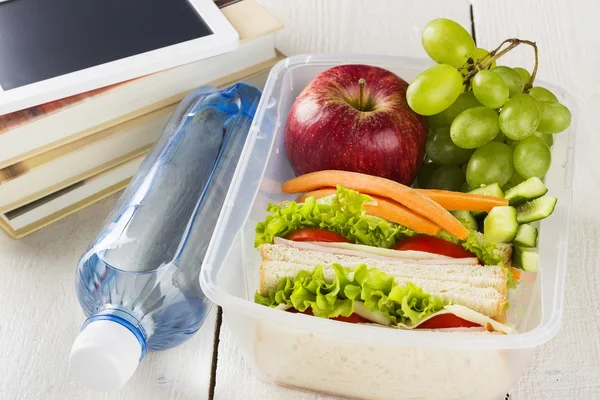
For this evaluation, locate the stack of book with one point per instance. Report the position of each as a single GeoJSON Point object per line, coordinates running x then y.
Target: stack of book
{"type": "Point", "coordinates": [59, 157]}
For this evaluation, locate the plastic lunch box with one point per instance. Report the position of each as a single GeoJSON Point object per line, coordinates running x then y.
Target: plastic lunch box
{"type": "Point", "coordinates": [363, 361]}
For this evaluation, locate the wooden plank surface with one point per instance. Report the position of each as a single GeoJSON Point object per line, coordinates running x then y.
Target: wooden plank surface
{"type": "Point", "coordinates": [41, 317]}
{"type": "Point", "coordinates": [567, 36]}
{"type": "Point", "coordinates": [388, 27]}
{"type": "Point", "coordinates": [40, 313]}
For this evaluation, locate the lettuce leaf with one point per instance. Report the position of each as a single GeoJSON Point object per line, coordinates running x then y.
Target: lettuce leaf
{"type": "Point", "coordinates": [377, 290]}
{"type": "Point", "coordinates": [415, 304]}
{"type": "Point", "coordinates": [343, 213]}
{"type": "Point", "coordinates": [487, 252]}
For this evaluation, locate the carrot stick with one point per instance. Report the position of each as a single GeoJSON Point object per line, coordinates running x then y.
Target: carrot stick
{"type": "Point", "coordinates": [368, 184]}
{"type": "Point", "coordinates": [463, 201]}
{"type": "Point", "coordinates": [516, 273]}
{"type": "Point", "coordinates": [399, 214]}
{"type": "Point", "coordinates": [449, 200]}
{"type": "Point", "coordinates": [386, 209]}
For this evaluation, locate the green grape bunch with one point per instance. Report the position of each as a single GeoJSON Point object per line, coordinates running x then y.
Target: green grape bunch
{"type": "Point", "coordinates": [488, 123]}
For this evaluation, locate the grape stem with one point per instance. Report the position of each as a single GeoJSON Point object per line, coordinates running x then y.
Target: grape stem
{"type": "Point", "coordinates": [361, 93]}
{"type": "Point", "coordinates": [498, 52]}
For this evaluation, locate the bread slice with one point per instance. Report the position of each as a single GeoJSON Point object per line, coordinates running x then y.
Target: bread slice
{"type": "Point", "coordinates": [481, 288]}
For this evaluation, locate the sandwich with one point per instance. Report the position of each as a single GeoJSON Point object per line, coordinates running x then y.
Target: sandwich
{"type": "Point", "coordinates": [344, 254]}
{"type": "Point", "coordinates": [409, 291]}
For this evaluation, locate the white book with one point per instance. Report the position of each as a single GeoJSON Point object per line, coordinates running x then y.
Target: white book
{"type": "Point", "coordinates": [120, 141]}
{"type": "Point", "coordinates": [90, 187]}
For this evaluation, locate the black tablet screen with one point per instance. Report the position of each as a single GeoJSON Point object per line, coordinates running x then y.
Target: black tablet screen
{"type": "Point", "coordinates": [42, 39]}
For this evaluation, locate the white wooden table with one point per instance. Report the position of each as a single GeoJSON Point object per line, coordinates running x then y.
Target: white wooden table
{"type": "Point", "coordinates": [39, 313]}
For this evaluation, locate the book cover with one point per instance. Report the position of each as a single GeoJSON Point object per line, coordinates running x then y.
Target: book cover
{"type": "Point", "coordinates": [92, 142]}
{"type": "Point", "coordinates": [34, 216]}
{"type": "Point", "coordinates": [19, 118]}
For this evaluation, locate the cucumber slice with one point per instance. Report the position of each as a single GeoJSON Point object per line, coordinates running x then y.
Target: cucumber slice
{"type": "Point", "coordinates": [527, 190]}
{"type": "Point", "coordinates": [536, 209]}
{"type": "Point", "coordinates": [526, 236]}
{"type": "Point", "coordinates": [489, 190]}
{"type": "Point", "coordinates": [500, 225]}
{"type": "Point", "coordinates": [466, 218]}
{"type": "Point", "coordinates": [525, 258]}
{"type": "Point", "coordinates": [492, 189]}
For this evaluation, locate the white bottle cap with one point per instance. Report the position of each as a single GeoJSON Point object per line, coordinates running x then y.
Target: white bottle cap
{"type": "Point", "coordinates": [104, 356]}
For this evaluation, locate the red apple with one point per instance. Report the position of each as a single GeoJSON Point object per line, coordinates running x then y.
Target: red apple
{"type": "Point", "coordinates": [356, 118]}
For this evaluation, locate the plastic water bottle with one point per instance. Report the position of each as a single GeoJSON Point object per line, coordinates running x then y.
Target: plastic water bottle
{"type": "Point", "coordinates": [138, 282]}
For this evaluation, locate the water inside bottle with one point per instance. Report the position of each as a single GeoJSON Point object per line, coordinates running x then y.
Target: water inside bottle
{"type": "Point", "coordinates": [147, 259]}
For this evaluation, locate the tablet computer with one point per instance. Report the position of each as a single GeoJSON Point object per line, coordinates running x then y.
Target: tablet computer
{"type": "Point", "coordinates": [51, 49]}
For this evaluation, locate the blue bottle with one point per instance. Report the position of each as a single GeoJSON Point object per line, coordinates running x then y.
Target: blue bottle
{"type": "Point", "coordinates": [138, 281]}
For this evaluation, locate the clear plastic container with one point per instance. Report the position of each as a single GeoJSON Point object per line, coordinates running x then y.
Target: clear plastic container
{"type": "Point", "coordinates": [362, 361]}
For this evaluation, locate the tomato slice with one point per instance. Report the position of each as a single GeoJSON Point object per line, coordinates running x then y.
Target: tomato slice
{"type": "Point", "coordinates": [315, 235]}
{"type": "Point", "coordinates": [353, 318]}
{"type": "Point", "coordinates": [446, 321]}
{"type": "Point", "coordinates": [434, 245]}
{"type": "Point", "coordinates": [438, 322]}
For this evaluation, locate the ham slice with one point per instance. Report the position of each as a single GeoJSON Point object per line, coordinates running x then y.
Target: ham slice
{"type": "Point", "coordinates": [358, 250]}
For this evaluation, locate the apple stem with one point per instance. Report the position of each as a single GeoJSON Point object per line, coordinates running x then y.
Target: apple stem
{"type": "Point", "coordinates": [361, 94]}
